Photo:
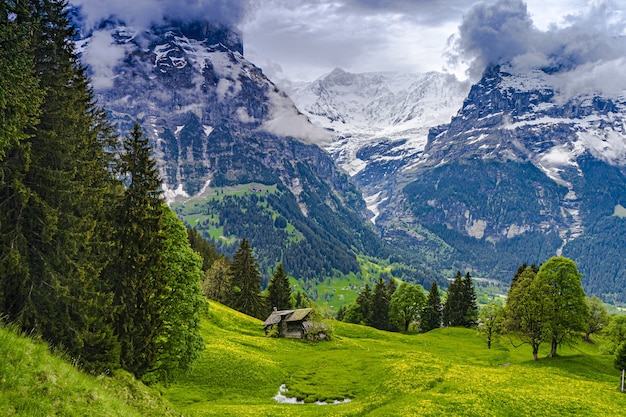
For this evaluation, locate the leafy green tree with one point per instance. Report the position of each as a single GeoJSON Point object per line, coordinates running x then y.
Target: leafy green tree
{"type": "Point", "coordinates": [566, 298]}
{"type": "Point", "coordinates": [615, 333]}
{"type": "Point", "coordinates": [279, 290]}
{"type": "Point", "coordinates": [620, 361]}
{"type": "Point", "coordinates": [380, 305]}
{"type": "Point", "coordinates": [217, 282]}
{"type": "Point", "coordinates": [407, 304]}
{"type": "Point", "coordinates": [527, 310]}
{"type": "Point", "coordinates": [432, 312]}
{"type": "Point", "coordinates": [246, 294]}
{"type": "Point", "coordinates": [597, 319]}
{"type": "Point", "coordinates": [139, 284]}
{"type": "Point", "coordinates": [178, 341]}
{"type": "Point", "coordinates": [491, 319]}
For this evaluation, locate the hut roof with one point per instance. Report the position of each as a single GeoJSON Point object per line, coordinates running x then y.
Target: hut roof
{"type": "Point", "coordinates": [287, 315]}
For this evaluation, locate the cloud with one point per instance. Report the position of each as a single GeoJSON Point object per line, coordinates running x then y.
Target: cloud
{"type": "Point", "coordinates": [101, 55]}
{"type": "Point", "coordinates": [142, 13]}
{"type": "Point", "coordinates": [286, 120]}
{"type": "Point", "coordinates": [504, 32]}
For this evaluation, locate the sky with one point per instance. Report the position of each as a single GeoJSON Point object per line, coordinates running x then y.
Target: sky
{"type": "Point", "coordinates": [300, 40]}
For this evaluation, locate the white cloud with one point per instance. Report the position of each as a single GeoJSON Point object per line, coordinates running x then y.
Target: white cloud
{"type": "Point", "coordinates": [102, 54]}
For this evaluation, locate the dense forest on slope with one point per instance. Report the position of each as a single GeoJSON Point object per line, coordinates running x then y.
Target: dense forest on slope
{"type": "Point", "coordinates": [91, 258]}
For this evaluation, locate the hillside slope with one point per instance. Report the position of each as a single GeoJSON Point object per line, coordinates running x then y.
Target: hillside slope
{"type": "Point", "coordinates": [443, 372]}
{"type": "Point", "coordinates": [34, 382]}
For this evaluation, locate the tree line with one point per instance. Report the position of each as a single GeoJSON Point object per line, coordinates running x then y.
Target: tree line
{"type": "Point", "coordinates": [397, 308]}
{"type": "Point", "coordinates": [91, 258]}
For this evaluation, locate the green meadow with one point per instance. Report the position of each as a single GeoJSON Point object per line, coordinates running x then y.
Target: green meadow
{"type": "Point", "coordinates": [443, 372]}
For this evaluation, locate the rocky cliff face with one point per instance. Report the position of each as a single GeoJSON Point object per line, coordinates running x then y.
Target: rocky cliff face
{"type": "Point", "coordinates": [215, 120]}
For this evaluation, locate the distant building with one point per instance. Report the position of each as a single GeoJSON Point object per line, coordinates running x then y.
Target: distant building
{"type": "Point", "coordinates": [295, 324]}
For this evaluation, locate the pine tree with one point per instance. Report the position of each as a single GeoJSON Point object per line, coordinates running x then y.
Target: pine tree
{"type": "Point", "coordinates": [453, 306]}
{"type": "Point", "coordinates": [136, 273]}
{"type": "Point", "coordinates": [54, 182]}
{"type": "Point", "coordinates": [380, 305]}
{"type": "Point", "coordinates": [469, 308]}
{"type": "Point", "coordinates": [246, 295]}
{"type": "Point", "coordinates": [432, 313]}
{"type": "Point", "coordinates": [279, 290]}
{"type": "Point", "coordinates": [20, 95]}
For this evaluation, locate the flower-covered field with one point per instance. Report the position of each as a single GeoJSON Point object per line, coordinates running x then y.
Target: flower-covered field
{"type": "Point", "coordinates": [443, 372]}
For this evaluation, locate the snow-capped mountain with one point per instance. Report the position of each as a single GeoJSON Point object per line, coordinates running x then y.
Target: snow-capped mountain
{"type": "Point", "coordinates": [380, 120]}
{"type": "Point", "coordinates": [521, 169]}
{"type": "Point", "coordinates": [216, 121]}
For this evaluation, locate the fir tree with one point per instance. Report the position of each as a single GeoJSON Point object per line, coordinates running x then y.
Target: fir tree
{"type": "Point", "coordinates": [206, 250]}
{"type": "Point", "coordinates": [279, 290]}
{"type": "Point", "coordinates": [432, 313]}
{"type": "Point", "coordinates": [380, 305]}
{"type": "Point", "coordinates": [53, 185]}
{"type": "Point", "coordinates": [246, 294]}
{"type": "Point", "coordinates": [137, 272]}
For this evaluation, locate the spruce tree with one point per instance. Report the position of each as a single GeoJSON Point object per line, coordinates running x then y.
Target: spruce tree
{"type": "Point", "coordinates": [217, 282]}
{"type": "Point", "coordinates": [380, 305]}
{"type": "Point", "coordinates": [52, 188]}
{"type": "Point", "coordinates": [453, 306]}
{"type": "Point", "coordinates": [136, 273]}
{"type": "Point", "coordinates": [432, 313]}
{"type": "Point", "coordinates": [469, 308]}
{"type": "Point", "coordinates": [246, 294]}
{"type": "Point", "coordinates": [279, 290]}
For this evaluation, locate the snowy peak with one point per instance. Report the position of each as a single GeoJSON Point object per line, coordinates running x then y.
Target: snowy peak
{"type": "Point", "coordinates": [528, 116]}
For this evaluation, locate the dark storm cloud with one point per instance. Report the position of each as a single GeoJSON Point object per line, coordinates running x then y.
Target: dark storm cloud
{"type": "Point", "coordinates": [143, 12]}
{"type": "Point", "coordinates": [504, 33]}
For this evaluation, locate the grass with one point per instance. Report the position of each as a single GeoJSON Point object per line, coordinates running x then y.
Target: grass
{"type": "Point", "coordinates": [35, 382]}
{"type": "Point", "coordinates": [443, 372]}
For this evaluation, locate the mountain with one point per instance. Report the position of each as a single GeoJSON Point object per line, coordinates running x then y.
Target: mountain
{"type": "Point", "coordinates": [525, 169]}
{"type": "Point", "coordinates": [236, 157]}
{"type": "Point", "coordinates": [380, 121]}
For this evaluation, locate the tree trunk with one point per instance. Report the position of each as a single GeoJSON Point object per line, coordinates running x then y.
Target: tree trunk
{"type": "Point", "coordinates": [553, 347]}
{"type": "Point", "coordinates": [536, 353]}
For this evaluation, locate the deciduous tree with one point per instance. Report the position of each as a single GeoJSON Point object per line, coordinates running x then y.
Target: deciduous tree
{"type": "Point", "coordinates": [491, 318]}
{"type": "Point", "coordinates": [566, 298]}
{"type": "Point", "coordinates": [597, 319]}
{"type": "Point", "coordinates": [407, 304]}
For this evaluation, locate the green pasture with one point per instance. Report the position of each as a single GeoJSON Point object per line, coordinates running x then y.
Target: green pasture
{"type": "Point", "coordinates": [443, 372]}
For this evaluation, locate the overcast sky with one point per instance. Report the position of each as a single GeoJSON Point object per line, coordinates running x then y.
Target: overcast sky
{"type": "Point", "coordinates": [299, 40]}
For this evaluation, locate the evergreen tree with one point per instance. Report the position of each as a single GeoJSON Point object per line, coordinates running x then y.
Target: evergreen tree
{"type": "Point", "coordinates": [20, 95]}
{"type": "Point", "coordinates": [206, 250]}
{"type": "Point", "coordinates": [380, 305]}
{"type": "Point", "coordinates": [136, 273]}
{"type": "Point", "coordinates": [453, 306]}
{"type": "Point", "coordinates": [246, 295]}
{"type": "Point", "coordinates": [53, 184]}
{"type": "Point", "coordinates": [392, 286]}
{"type": "Point", "coordinates": [279, 290]}
{"type": "Point", "coordinates": [470, 307]}
{"type": "Point", "coordinates": [361, 311]}
{"type": "Point", "coordinates": [432, 313]}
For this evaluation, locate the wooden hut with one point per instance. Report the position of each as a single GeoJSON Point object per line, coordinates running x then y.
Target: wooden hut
{"type": "Point", "coordinates": [295, 324]}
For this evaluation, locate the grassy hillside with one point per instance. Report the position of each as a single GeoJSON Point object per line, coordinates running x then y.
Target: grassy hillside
{"type": "Point", "coordinates": [34, 382]}
{"type": "Point", "coordinates": [444, 372]}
